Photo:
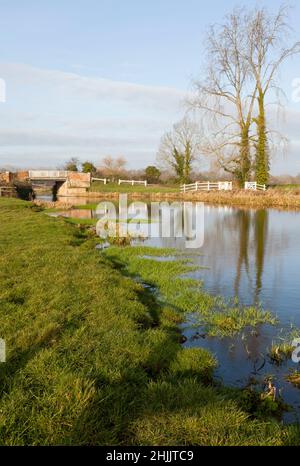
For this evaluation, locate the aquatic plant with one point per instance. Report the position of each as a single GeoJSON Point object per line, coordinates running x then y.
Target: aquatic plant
{"type": "Point", "coordinates": [294, 378]}
{"type": "Point", "coordinates": [218, 316]}
{"type": "Point", "coordinates": [282, 347]}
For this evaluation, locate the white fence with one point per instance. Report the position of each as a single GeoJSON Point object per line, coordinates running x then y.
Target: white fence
{"type": "Point", "coordinates": [133, 182]}
{"type": "Point", "coordinates": [254, 186]}
{"type": "Point", "coordinates": [219, 186]}
{"type": "Point", "coordinates": [105, 180]}
{"type": "Point", "coordinates": [206, 186]}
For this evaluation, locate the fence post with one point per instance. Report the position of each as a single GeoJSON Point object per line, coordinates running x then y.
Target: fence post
{"type": "Point", "coordinates": [184, 188]}
{"type": "Point", "coordinates": [132, 183]}
{"type": "Point", "coordinates": [145, 183]}
{"type": "Point", "coordinates": [196, 185]}
{"type": "Point", "coordinates": [208, 186]}
{"type": "Point", "coordinates": [119, 182]}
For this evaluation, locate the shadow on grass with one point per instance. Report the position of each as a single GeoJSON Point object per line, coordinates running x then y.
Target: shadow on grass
{"type": "Point", "coordinates": [171, 397]}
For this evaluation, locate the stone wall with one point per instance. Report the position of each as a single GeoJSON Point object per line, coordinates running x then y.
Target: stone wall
{"type": "Point", "coordinates": [76, 184]}
{"type": "Point", "coordinates": [21, 176]}
{"type": "Point", "coordinates": [6, 177]}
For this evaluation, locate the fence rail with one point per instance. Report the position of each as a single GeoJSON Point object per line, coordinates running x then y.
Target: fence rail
{"type": "Point", "coordinates": [105, 180]}
{"type": "Point", "coordinates": [133, 182]}
{"type": "Point", "coordinates": [48, 174]}
{"type": "Point", "coordinates": [206, 186]}
{"type": "Point", "coordinates": [220, 186]}
{"type": "Point", "coordinates": [254, 186]}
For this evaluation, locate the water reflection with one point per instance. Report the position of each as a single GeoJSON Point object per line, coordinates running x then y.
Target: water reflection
{"type": "Point", "coordinates": [245, 221]}
{"type": "Point", "coordinates": [260, 239]}
{"type": "Point", "coordinates": [251, 254]}
{"type": "Point", "coordinates": [243, 224]}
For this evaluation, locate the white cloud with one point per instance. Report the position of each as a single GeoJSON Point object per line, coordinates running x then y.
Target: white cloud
{"type": "Point", "coordinates": [50, 115]}
{"type": "Point", "coordinates": [72, 84]}
{"type": "Point", "coordinates": [54, 112]}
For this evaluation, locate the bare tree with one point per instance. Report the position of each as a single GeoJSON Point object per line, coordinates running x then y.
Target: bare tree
{"type": "Point", "coordinates": [226, 97]}
{"type": "Point", "coordinates": [179, 148]}
{"type": "Point", "coordinates": [244, 56]}
{"type": "Point", "coordinates": [113, 167]}
{"type": "Point", "coordinates": [266, 34]}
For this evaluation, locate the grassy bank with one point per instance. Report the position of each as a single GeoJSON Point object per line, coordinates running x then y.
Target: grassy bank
{"type": "Point", "coordinates": [273, 197]}
{"type": "Point", "coordinates": [277, 198]}
{"type": "Point", "coordinates": [93, 358]}
{"type": "Point", "coordinates": [99, 187]}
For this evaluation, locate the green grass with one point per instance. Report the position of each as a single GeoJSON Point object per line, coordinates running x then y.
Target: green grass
{"type": "Point", "coordinates": [294, 378]}
{"type": "Point", "coordinates": [89, 206]}
{"type": "Point", "coordinates": [94, 359]}
{"type": "Point", "coordinates": [286, 187]}
{"type": "Point", "coordinates": [217, 316]}
{"type": "Point", "coordinates": [282, 347]}
{"type": "Point", "coordinates": [98, 186]}
{"type": "Point", "coordinates": [280, 352]}
{"type": "Point", "coordinates": [81, 221]}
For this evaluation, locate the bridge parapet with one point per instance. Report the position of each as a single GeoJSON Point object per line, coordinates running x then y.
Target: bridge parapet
{"type": "Point", "coordinates": [48, 174]}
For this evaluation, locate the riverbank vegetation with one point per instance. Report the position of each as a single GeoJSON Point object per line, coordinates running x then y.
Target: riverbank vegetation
{"type": "Point", "coordinates": [294, 378]}
{"type": "Point", "coordinates": [282, 348]}
{"type": "Point", "coordinates": [277, 198]}
{"type": "Point", "coordinates": [93, 358]}
{"type": "Point", "coordinates": [170, 281]}
{"type": "Point", "coordinates": [271, 198]}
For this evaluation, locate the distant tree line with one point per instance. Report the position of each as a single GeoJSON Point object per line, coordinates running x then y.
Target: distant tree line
{"type": "Point", "coordinates": [114, 169]}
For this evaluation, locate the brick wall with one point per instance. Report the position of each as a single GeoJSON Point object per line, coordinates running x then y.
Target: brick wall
{"type": "Point", "coordinates": [79, 180]}
{"type": "Point", "coordinates": [22, 176]}
{"type": "Point", "coordinates": [6, 177]}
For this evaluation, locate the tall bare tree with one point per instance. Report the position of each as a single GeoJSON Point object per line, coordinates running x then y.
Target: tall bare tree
{"type": "Point", "coordinates": [180, 147]}
{"type": "Point", "coordinates": [244, 56]}
{"type": "Point", "coordinates": [226, 97]}
{"type": "Point", "coordinates": [267, 50]}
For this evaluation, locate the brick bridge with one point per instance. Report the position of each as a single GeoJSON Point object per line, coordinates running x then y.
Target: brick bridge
{"type": "Point", "coordinates": [65, 183]}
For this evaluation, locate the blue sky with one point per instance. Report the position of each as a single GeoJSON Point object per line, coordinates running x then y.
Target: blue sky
{"type": "Point", "coordinates": [92, 78]}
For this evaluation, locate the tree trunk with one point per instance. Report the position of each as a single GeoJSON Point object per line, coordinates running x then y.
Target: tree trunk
{"type": "Point", "coordinates": [262, 156]}
{"type": "Point", "coordinates": [187, 162]}
{"type": "Point", "coordinates": [245, 155]}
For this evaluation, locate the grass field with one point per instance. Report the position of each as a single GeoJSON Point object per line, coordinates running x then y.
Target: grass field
{"type": "Point", "coordinates": [95, 359]}
{"type": "Point", "coordinates": [286, 187]}
{"type": "Point", "coordinates": [98, 186]}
